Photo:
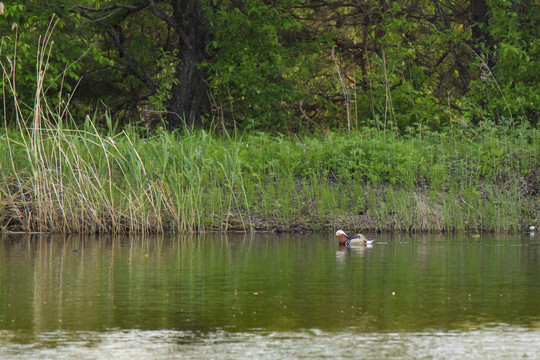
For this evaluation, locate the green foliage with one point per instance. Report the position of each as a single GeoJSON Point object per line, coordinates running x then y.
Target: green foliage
{"type": "Point", "coordinates": [285, 66]}
{"type": "Point", "coordinates": [43, 42]}
{"type": "Point", "coordinates": [252, 67]}
{"type": "Point", "coordinates": [400, 173]}
{"type": "Point", "coordinates": [166, 66]}
{"type": "Point", "coordinates": [510, 89]}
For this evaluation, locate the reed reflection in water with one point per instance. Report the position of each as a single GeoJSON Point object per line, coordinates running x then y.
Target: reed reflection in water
{"type": "Point", "coordinates": [246, 283]}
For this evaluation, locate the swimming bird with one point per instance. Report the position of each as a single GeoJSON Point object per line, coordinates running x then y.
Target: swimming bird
{"type": "Point", "coordinates": [345, 239]}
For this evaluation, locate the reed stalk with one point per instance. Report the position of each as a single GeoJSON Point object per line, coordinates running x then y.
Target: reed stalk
{"type": "Point", "coordinates": [57, 176]}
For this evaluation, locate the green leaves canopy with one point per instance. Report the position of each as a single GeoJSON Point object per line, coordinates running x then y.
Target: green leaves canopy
{"type": "Point", "coordinates": [286, 65]}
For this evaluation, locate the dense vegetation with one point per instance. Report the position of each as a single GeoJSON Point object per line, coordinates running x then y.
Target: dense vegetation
{"type": "Point", "coordinates": [391, 116]}
{"type": "Point", "coordinates": [61, 180]}
{"type": "Point", "coordinates": [284, 65]}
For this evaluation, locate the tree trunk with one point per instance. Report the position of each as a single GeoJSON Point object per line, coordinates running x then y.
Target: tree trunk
{"type": "Point", "coordinates": [480, 30]}
{"type": "Point", "coordinates": [189, 98]}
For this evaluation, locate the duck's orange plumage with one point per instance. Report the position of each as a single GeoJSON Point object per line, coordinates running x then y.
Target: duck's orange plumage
{"type": "Point", "coordinates": [342, 237]}
{"type": "Point", "coordinates": [345, 239]}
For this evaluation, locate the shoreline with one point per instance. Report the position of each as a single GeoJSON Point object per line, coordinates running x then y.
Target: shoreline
{"type": "Point", "coordinates": [71, 181]}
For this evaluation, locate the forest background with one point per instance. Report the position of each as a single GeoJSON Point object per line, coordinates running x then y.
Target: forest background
{"type": "Point", "coordinates": [385, 115]}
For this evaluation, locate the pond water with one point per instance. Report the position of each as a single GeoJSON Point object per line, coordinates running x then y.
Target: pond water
{"type": "Point", "coordinates": [267, 296]}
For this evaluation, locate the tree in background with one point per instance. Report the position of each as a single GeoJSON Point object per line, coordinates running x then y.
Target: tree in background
{"type": "Point", "coordinates": [140, 34]}
{"type": "Point", "coordinates": [39, 40]}
{"type": "Point", "coordinates": [126, 56]}
{"type": "Point", "coordinates": [430, 63]}
{"type": "Point", "coordinates": [286, 65]}
{"type": "Point", "coordinates": [507, 64]}
{"type": "Point", "coordinates": [260, 62]}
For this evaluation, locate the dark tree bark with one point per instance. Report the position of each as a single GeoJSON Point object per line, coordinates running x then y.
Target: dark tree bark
{"type": "Point", "coordinates": [190, 96]}
{"type": "Point", "coordinates": [480, 30]}
{"type": "Point", "coordinates": [190, 99]}
{"type": "Point", "coordinates": [479, 17]}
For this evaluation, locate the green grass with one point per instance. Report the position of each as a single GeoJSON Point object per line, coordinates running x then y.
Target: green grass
{"type": "Point", "coordinates": [57, 179]}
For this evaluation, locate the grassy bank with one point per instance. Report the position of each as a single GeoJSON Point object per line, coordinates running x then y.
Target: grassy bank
{"type": "Point", "coordinates": [59, 179]}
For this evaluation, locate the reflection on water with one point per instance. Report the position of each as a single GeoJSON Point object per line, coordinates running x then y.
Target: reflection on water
{"type": "Point", "coordinates": [243, 294]}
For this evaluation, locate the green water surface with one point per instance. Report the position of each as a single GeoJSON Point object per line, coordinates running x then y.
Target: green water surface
{"type": "Point", "coordinates": [218, 296]}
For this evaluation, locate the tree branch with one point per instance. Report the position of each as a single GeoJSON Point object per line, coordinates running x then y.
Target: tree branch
{"type": "Point", "coordinates": [131, 8]}
{"type": "Point", "coordinates": [132, 66]}
{"type": "Point", "coordinates": [169, 21]}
